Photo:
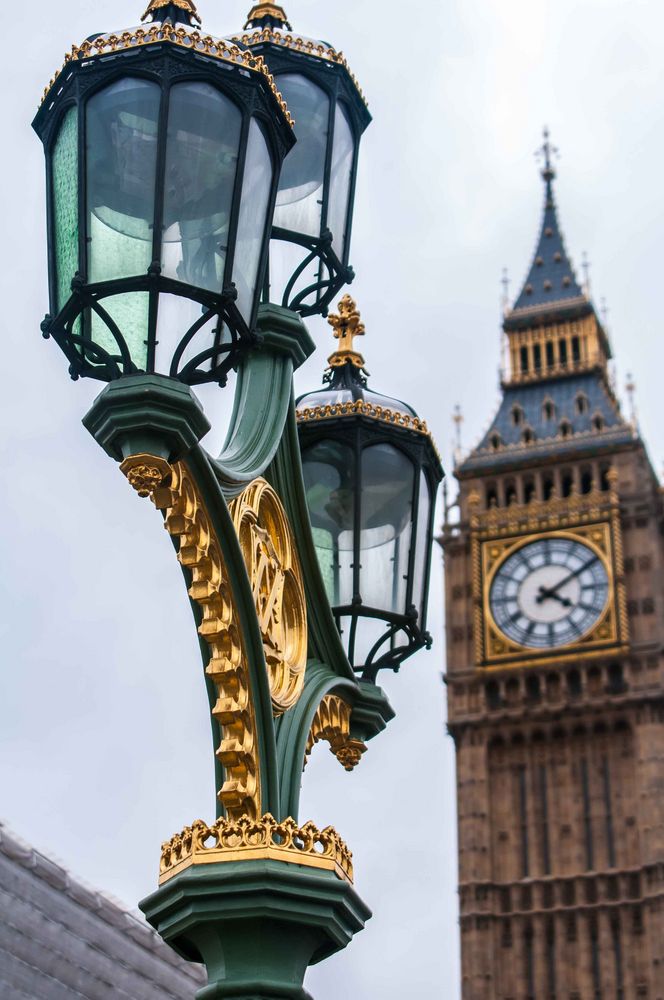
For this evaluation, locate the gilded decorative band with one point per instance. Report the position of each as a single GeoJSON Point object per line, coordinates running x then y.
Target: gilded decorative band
{"type": "Point", "coordinates": [247, 839]}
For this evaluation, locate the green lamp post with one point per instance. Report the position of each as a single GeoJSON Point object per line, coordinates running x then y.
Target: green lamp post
{"type": "Point", "coordinates": [164, 148]}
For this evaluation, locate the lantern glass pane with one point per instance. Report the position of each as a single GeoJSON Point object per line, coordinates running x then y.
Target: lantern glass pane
{"type": "Point", "coordinates": [422, 546]}
{"type": "Point", "coordinates": [65, 206]}
{"type": "Point", "coordinates": [121, 159]}
{"type": "Point", "coordinates": [203, 139]}
{"type": "Point", "coordinates": [176, 316]}
{"type": "Point", "coordinates": [386, 502]}
{"type": "Point", "coordinates": [329, 483]}
{"type": "Point", "coordinates": [300, 194]}
{"type": "Point", "coordinates": [340, 176]}
{"type": "Point", "coordinates": [251, 234]}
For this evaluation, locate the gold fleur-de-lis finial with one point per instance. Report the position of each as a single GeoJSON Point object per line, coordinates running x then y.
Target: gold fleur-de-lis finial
{"type": "Point", "coordinates": [346, 325]}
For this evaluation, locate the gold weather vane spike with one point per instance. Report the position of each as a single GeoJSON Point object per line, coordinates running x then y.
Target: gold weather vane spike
{"type": "Point", "coordinates": [346, 325]}
{"type": "Point", "coordinates": [266, 14]}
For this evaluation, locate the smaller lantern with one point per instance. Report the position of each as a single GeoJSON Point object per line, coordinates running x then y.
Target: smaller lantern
{"type": "Point", "coordinates": [371, 472]}
{"type": "Point", "coordinates": [310, 245]}
{"type": "Point", "coordinates": [163, 150]}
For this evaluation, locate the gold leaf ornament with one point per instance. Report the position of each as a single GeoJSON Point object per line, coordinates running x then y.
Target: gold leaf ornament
{"type": "Point", "coordinates": [274, 571]}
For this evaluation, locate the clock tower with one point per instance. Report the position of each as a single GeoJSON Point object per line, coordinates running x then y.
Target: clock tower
{"type": "Point", "coordinates": [554, 590]}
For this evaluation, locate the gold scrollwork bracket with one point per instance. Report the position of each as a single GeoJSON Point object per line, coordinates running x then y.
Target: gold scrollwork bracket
{"type": "Point", "coordinates": [173, 490]}
{"type": "Point", "coordinates": [331, 724]}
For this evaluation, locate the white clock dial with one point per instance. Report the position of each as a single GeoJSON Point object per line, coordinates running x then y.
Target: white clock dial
{"type": "Point", "coordinates": [549, 593]}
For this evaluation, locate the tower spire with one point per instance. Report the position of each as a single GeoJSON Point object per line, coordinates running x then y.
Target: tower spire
{"type": "Point", "coordinates": [551, 285]}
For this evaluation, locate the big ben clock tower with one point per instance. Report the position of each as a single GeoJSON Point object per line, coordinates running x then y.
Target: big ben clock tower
{"type": "Point", "coordinates": [554, 568]}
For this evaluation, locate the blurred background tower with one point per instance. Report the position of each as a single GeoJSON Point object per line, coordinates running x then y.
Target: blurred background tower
{"type": "Point", "coordinates": [555, 675]}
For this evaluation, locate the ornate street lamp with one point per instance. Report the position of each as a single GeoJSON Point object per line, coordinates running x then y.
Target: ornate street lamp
{"type": "Point", "coordinates": [163, 150]}
{"type": "Point", "coordinates": [371, 472]}
{"type": "Point", "coordinates": [310, 246]}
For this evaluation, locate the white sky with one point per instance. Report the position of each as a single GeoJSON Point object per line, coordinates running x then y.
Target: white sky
{"type": "Point", "coordinates": [105, 747]}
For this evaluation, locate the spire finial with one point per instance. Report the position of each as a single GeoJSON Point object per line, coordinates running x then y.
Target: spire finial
{"type": "Point", "coordinates": [505, 282]}
{"type": "Point", "coordinates": [174, 10]}
{"type": "Point", "coordinates": [457, 417]}
{"type": "Point", "coordinates": [585, 267]}
{"type": "Point", "coordinates": [266, 14]}
{"type": "Point", "coordinates": [346, 325]}
{"type": "Point", "coordinates": [630, 389]}
{"type": "Point", "coordinates": [546, 153]}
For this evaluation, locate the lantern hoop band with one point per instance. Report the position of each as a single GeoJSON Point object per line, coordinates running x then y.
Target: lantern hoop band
{"type": "Point", "coordinates": [324, 288]}
{"type": "Point", "coordinates": [398, 623]}
{"type": "Point", "coordinates": [91, 359]}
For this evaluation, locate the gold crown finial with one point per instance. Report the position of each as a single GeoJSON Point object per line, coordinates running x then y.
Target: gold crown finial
{"type": "Point", "coordinates": [346, 325]}
{"type": "Point", "coordinates": [188, 7]}
{"type": "Point", "coordinates": [267, 14]}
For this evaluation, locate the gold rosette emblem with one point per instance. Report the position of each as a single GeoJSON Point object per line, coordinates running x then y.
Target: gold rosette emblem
{"type": "Point", "coordinates": [274, 570]}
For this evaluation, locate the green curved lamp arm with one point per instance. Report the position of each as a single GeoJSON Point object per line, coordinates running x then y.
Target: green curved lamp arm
{"type": "Point", "coordinates": [262, 398]}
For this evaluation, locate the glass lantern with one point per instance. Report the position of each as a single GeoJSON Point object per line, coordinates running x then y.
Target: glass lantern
{"type": "Point", "coordinates": [163, 152]}
{"type": "Point", "coordinates": [310, 246]}
{"type": "Point", "coordinates": [371, 473]}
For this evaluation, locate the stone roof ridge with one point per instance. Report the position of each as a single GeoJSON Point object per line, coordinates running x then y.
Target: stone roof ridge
{"type": "Point", "coordinates": [102, 904]}
{"type": "Point", "coordinates": [551, 280]}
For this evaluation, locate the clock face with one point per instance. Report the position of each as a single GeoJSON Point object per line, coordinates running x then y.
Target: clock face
{"type": "Point", "coordinates": [549, 593]}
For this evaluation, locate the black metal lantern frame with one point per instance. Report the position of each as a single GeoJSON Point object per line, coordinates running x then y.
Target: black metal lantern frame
{"type": "Point", "coordinates": [167, 55]}
{"type": "Point", "coordinates": [360, 425]}
{"type": "Point", "coordinates": [286, 54]}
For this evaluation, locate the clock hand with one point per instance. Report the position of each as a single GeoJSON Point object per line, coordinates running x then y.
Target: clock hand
{"type": "Point", "coordinates": [551, 591]}
{"type": "Point", "coordinates": [544, 592]}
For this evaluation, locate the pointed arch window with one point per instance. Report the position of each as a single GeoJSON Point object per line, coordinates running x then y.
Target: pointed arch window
{"type": "Point", "coordinates": [517, 415]}
{"type": "Point", "coordinates": [495, 441]}
{"type": "Point", "coordinates": [527, 435]}
{"type": "Point", "coordinates": [565, 428]}
{"type": "Point", "coordinates": [598, 421]}
{"type": "Point", "coordinates": [581, 403]}
{"type": "Point", "coordinates": [548, 408]}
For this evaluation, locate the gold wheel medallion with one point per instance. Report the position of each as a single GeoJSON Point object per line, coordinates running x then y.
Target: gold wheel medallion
{"type": "Point", "coordinates": [274, 571]}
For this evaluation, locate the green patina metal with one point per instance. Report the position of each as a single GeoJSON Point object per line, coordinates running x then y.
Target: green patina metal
{"type": "Point", "coordinates": [219, 914]}
{"type": "Point", "coordinates": [257, 925]}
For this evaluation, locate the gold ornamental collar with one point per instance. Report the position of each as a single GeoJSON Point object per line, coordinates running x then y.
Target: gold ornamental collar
{"type": "Point", "coordinates": [186, 5]}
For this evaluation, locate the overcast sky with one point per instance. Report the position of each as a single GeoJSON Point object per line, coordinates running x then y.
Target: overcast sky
{"type": "Point", "coordinates": [105, 747]}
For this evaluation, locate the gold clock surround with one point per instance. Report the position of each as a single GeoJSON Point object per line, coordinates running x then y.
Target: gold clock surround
{"type": "Point", "coordinates": [591, 519]}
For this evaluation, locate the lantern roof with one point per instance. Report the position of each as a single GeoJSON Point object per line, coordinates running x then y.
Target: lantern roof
{"type": "Point", "coordinates": [347, 393]}
{"type": "Point", "coordinates": [171, 23]}
{"type": "Point", "coordinates": [267, 24]}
